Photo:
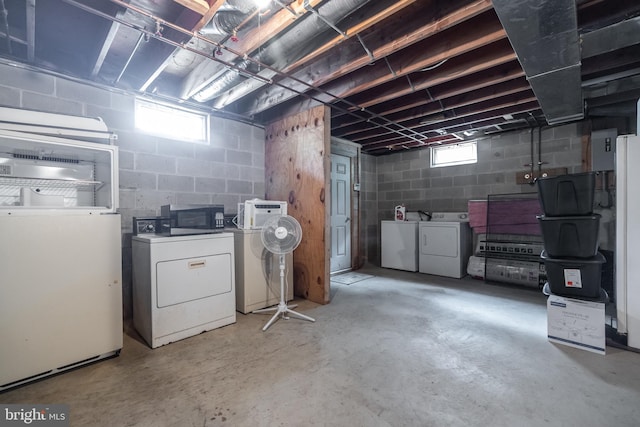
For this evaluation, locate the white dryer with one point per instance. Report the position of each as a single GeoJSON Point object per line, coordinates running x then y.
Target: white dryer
{"type": "Point", "coordinates": [445, 244]}
{"type": "Point", "coordinates": [182, 285]}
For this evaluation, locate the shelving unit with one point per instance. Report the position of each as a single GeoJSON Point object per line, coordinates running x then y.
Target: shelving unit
{"type": "Point", "coordinates": [512, 242]}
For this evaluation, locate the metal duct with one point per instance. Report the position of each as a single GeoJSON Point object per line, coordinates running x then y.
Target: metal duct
{"type": "Point", "coordinates": [224, 22]}
{"type": "Point", "coordinates": [243, 6]}
{"type": "Point", "coordinates": [621, 109]}
{"type": "Point", "coordinates": [288, 46]}
{"type": "Point", "coordinates": [544, 35]}
{"type": "Point", "coordinates": [613, 37]}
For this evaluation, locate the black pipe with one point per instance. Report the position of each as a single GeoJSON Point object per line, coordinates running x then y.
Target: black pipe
{"type": "Point", "coordinates": [539, 151]}
{"type": "Point", "coordinates": [531, 178]}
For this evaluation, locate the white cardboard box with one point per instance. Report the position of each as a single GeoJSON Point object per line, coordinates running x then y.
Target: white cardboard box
{"type": "Point", "coordinates": [576, 323]}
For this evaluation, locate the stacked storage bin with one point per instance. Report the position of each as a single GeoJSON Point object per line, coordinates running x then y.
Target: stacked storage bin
{"type": "Point", "coordinates": [570, 234]}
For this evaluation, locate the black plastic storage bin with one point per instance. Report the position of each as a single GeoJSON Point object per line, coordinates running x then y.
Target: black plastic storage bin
{"type": "Point", "coordinates": [570, 236]}
{"type": "Point", "coordinates": [574, 277]}
{"type": "Point", "coordinates": [567, 195]}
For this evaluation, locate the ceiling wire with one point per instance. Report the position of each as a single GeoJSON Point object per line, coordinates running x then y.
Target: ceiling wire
{"type": "Point", "coordinates": [433, 67]}
{"type": "Point", "coordinates": [401, 129]}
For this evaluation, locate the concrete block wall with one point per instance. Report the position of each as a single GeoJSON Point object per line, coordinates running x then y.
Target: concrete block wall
{"type": "Point", "coordinates": [406, 177]}
{"type": "Point", "coordinates": [153, 170]}
{"type": "Point", "coordinates": [369, 217]}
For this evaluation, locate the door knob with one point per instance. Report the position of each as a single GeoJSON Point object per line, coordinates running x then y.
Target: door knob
{"type": "Point", "coordinates": [347, 220]}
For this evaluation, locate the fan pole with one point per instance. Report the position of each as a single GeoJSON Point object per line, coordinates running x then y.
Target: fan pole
{"type": "Point", "coordinates": [282, 309]}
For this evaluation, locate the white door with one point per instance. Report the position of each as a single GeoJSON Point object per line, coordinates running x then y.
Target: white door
{"type": "Point", "coordinates": [340, 213]}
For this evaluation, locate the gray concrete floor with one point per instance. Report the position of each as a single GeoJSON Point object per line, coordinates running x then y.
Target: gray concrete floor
{"type": "Point", "coordinates": [399, 349]}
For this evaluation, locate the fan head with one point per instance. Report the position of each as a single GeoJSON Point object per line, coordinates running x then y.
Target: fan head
{"type": "Point", "coordinates": [281, 234]}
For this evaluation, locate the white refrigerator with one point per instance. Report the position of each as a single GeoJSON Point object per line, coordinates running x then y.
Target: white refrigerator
{"type": "Point", "coordinates": [628, 238]}
{"type": "Point", "coordinates": [61, 294]}
{"type": "Point", "coordinates": [60, 257]}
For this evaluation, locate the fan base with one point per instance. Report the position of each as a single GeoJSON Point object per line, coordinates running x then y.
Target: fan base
{"type": "Point", "coordinates": [282, 310]}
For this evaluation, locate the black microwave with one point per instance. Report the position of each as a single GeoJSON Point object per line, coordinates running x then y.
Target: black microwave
{"type": "Point", "coordinates": [191, 219]}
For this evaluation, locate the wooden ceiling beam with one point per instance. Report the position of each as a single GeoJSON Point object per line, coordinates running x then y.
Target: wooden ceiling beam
{"type": "Point", "coordinates": [475, 122]}
{"type": "Point", "coordinates": [214, 6]}
{"type": "Point", "coordinates": [426, 55]}
{"type": "Point", "coordinates": [350, 32]}
{"type": "Point", "coordinates": [382, 149]}
{"type": "Point", "coordinates": [498, 55]}
{"type": "Point", "coordinates": [199, 6]}
{"type": "Point", "coordinates": [407, 103]}
{"type": "Point", "coordinates": [443, 104]}
{"type": "Point", "coordinates": [247, 43]}
{"type": "Point", "coordinates": [402, 39]}
{"type": "Point", "coordinates": [267, 31]}
{"type": "Point", "coordinates": [250, 86]}
{"type": "Point", "coordinates": [384, 103]}
{"type": "Point", "coordinates": [452, 115]}
{"type": "Point", "coordinates": [458, 124]}
{"type": "Point", "coordinates": [352, 59]}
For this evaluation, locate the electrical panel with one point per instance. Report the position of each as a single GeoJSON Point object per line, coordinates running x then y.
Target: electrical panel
{"type": "Point", "coordinates": [603, 149]}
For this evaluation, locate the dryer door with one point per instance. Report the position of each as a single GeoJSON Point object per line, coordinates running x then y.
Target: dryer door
{"type": "Point", "coordinates": [440, 239]}
{"type": "Point", "coordinates": [184, 280]}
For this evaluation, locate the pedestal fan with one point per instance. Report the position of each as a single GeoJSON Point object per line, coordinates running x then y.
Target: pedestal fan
{"type": "Point", "coordinates": [280, 236]}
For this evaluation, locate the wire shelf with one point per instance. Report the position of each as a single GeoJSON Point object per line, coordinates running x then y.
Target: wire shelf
{"type": "Point", "coordinates": [12, 183]}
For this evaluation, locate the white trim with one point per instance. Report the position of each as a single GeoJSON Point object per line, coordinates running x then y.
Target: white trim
{"type": "Point", "coordinates": [168, 108]}
{"type": "Point", "coordinates": [435, 148]}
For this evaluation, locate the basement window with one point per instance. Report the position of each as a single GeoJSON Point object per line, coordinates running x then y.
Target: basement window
{"type": "Point", "coordinates": [171, 122]}
{"type": "Point", "coordinates": [462, 153]}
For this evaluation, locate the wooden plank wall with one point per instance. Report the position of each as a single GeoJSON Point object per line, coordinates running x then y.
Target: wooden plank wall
{"type": "Point", "coordinates": [297, 160]}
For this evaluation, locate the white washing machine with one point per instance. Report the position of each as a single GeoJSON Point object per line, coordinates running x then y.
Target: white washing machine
{"type": "Point", "coordinates": [182, 285]}
{"type": "Point", "coordinates": [399, 245]}
{"type": "Point", "coordinates": [445, 244]}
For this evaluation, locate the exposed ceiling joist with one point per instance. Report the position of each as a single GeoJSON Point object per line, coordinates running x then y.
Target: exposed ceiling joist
{"type": "Point", "coordinates": [450, 114]}
{"type": "Point", "coordinates": [446, 103]}
{"type": "Point", "coordinates": [386, 104]}
{"type": "Point", "coordinates": [397, 75]}
{"type": "Point", "coordinates": [351, 60]}
{"type": "Point", "coordinates": [253, 39]}
{"type": "Point", "coordinates": [199, 6]}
